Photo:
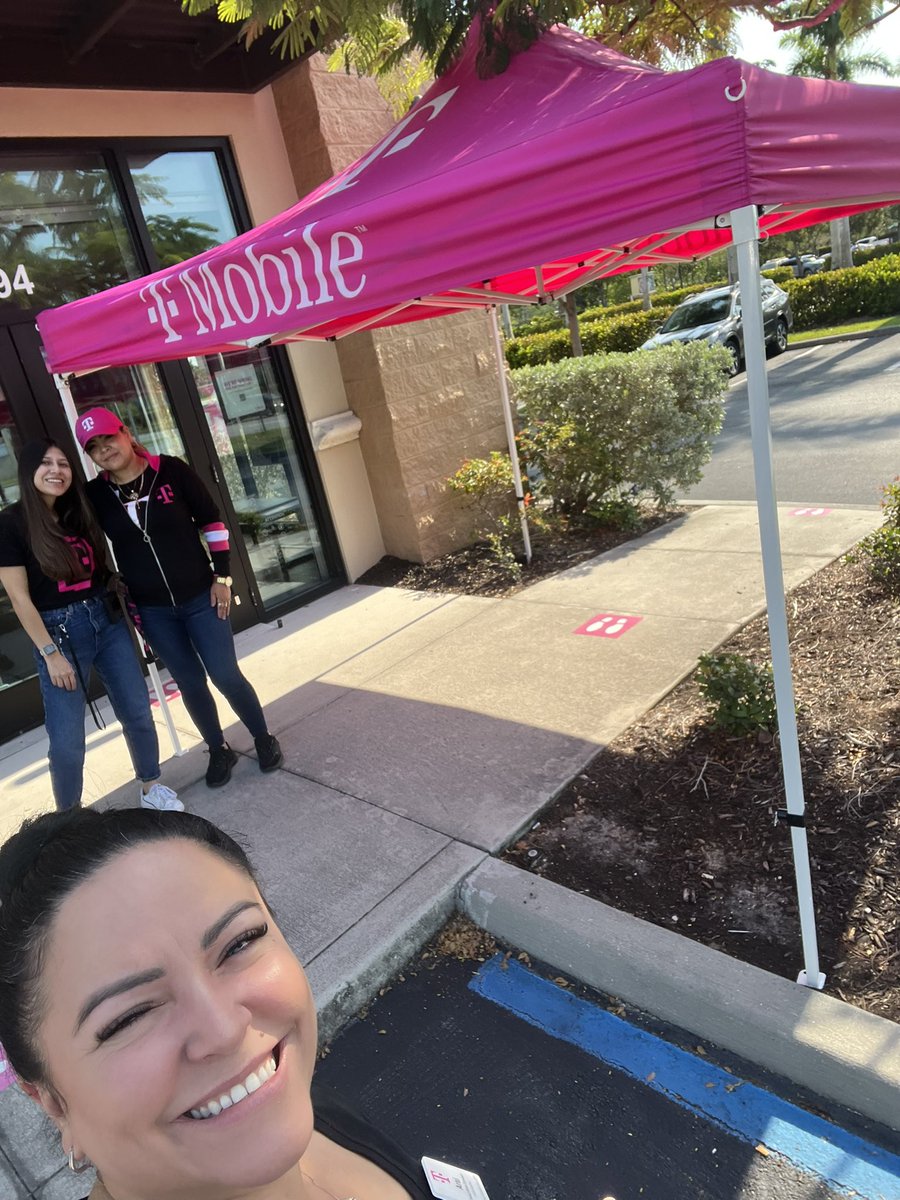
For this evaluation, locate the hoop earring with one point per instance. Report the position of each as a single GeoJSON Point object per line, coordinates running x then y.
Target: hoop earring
{"type": "Point", "coordinates": [79, 1167]}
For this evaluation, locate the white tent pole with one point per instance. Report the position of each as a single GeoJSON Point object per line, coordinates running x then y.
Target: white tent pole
{"type": "Point", "coordinates": [65, 395]}
{"type": "Point", "coordinates": [745, 233]}
{"type": "Point", "coordinates": [510, 430]}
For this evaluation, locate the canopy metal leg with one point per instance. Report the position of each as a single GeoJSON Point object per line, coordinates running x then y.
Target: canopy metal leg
{"type": "Point", "coordinates": [745, 232]}
{"type": "Point", "coordinates": [510, 430]}
{"type": "Point", "coordinates": [65, 395]}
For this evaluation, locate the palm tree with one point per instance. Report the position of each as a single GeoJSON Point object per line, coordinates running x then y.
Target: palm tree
{"type": "Point", "coordinates": [827, 51]}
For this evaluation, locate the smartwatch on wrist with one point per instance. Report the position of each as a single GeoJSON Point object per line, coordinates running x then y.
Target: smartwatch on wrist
{"type": "Point", "coordinates": [223, 579]}
{"type": "Point", "coordinates": [50, 648]}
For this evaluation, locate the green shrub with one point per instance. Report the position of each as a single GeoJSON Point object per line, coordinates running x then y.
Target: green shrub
{"type": "Point", "coordinates": [621, 334]}
{"type": "Point", "coordinates": [832, 297]}
{"type": "Point", "coordinates": [890, 502]}
{"type": "Point", "coordinates": [541, 320]}
{"type": "Point", "coordinates": [742, 694]}
{"type": "Point", "coordinates": [488, 485]}
{"type": "Point", "coordinates": [880, 551]}
{"type": "Point", "coordinates": [601, 311]}
{"type": "Point", "coordinates": [618, 512]}
{"type": "Point", "coordinates": [666, 299]}
{"type": "Point", "coordinates": [536, 348]}
{"type": "Point", "coordinates": [600, 426]}
{"type": "Point", "coordinates": [779, 274]}
{"type": "Point", "coordinates": [861, 257]}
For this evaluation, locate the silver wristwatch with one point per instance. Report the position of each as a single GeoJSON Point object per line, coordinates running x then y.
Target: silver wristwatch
{"type": "Point", "coordinates": [50, 648]}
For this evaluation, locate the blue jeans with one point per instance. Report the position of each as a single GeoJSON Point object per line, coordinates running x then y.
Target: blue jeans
{"type": "Point", "coordinates": [193, 642]}
{"type": "Point", "coordinates": [95, 642]}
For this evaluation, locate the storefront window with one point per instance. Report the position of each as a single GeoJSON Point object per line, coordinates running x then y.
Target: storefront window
{"type": "Point", "coordinates": [62, 230]}
{"type": "Point", "coordinates": [245, 411]}
{"type": "Point", "coordinates": [184, 202]}
{"type": "Point", "coordinates": [137, 395]}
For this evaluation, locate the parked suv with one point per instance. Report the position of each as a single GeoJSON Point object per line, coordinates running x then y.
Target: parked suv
{"type": "Point", "coordinates": [715, 316]}
{"type": "Point", "coordinates": [805, 264]}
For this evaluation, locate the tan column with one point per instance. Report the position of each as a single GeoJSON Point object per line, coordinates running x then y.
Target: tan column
{"type": "Point", "coordinates": [426, 393]}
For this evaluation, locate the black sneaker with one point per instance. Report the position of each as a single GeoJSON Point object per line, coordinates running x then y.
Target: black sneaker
{"type": "Point", "coordinates": [268, 752]}
{"type": "Point", "coordinates": [221, 760]}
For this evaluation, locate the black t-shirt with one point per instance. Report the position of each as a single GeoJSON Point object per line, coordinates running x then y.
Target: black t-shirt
{"type": "Point", "coordinates": [47, 593]}
{"type": "Point", "coordinates": [352, 1131]}
{"type": "Point", "coordinates": [348, 1129]}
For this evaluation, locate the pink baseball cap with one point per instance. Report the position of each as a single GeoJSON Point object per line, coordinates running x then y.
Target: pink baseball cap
{"type": "Point", "coordinates": [96, 422]}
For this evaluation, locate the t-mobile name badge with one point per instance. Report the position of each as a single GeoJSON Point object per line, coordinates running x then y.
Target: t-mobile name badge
{"type": "Point", "coordinates": [452, 1183]}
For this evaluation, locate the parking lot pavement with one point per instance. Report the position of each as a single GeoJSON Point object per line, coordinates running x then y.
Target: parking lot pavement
{"type": "Point", "coordinates": [552, 1095]}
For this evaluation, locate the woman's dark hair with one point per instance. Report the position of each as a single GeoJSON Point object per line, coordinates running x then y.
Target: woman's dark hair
{"type": "Point", "coordinates": [47, 537]}
{"type": "Point", "coordinates": [39, 867]}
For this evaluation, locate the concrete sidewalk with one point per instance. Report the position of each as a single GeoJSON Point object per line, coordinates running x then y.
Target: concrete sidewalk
{"type": "Point", "coordinates": [422, 733]}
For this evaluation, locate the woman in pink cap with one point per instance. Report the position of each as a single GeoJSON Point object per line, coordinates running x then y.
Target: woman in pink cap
{"type": "Point", "coordinates": [155, 510]}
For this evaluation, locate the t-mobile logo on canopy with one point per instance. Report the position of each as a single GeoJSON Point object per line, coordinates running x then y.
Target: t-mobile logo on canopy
{"type": "Point", "coordinates": [260, 280]}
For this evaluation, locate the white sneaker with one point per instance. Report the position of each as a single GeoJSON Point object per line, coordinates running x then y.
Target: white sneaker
{"type": "Point", "coordinates": [161, 798]}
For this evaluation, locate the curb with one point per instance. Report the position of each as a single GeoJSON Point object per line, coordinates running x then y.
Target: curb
{"type": "Point", "coordinates": [823, 1044]}
{"type": "Point", "coordinates": [844, 337]}
{"type": "Point", "coordinates": [347, 974]}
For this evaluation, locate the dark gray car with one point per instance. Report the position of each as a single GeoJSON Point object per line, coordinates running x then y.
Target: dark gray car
{"type": "Point", "coordinates": [715, 316]}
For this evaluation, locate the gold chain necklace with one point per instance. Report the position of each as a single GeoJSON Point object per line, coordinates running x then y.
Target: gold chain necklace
{"type": "Point", "coordinates": [309, 1179]}
{"type": "Point", "coordinates": [132, 491]}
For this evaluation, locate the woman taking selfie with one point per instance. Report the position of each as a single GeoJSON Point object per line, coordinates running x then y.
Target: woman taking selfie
{"type": "Point", "coordinates": [53, 568]}
{"type": "Point", "coordinates": [154, 510]}
{"type": "Point", "coordinates": [175, 1053]}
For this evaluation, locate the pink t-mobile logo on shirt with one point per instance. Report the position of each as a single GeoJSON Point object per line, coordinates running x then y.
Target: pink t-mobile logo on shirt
{"type": "Point", "coordinates": [165, 495]}
{"type": "Point", "coordinates": [84, 552]}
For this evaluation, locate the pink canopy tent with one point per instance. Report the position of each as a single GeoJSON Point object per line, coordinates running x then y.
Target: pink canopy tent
{"type": "Point", "coordinates": [574, 164]}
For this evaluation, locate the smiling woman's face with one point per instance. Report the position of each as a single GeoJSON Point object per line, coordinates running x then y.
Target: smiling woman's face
{"type": "Point", "coordinates": [169, 994]}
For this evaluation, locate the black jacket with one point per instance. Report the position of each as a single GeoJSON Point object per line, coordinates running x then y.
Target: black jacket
{"type": "Point", "coordinates": [160, 553]}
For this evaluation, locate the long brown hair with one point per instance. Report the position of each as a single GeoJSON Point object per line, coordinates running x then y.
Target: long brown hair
{"type": "Point", "coordinates": [47, 537]}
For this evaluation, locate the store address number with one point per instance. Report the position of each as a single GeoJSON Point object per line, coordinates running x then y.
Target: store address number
{"type": "Point", "coordinates": [19, 283]}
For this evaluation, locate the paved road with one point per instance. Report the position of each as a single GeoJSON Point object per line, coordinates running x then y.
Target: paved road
{"type": "Point", "coordinates": [835, 427]}
{"type": "Point", "coordinates": [550, 1096]}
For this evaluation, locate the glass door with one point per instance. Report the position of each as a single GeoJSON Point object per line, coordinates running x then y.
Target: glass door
{"type": "Point", "coordinates": [247, 418]}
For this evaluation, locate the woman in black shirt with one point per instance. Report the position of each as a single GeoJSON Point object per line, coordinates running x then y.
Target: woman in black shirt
{"type": "Point", "coordinates": [175, 1052]}
{"type": "Point", "coordinates": [53, 567]}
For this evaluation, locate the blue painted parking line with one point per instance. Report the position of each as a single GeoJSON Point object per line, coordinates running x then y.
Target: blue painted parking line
{"type": "Point", "coordinates": [813, 1145]}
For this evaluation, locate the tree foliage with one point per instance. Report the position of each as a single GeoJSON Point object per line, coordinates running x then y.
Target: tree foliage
{"type": "Point", "coordinates": [830, 50]}
{"type": "Point", "coordinates": [686, 30]}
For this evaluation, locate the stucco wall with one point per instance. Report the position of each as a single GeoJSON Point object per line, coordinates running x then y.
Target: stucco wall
{"type": "Point", "coordinates": [427, 393]}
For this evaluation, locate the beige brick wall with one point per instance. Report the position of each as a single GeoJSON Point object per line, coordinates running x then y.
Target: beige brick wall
{"type": "Point", "coordinates": [427, 393]}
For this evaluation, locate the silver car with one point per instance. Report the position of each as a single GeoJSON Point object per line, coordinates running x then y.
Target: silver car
{"type": "Point", "coordinates": [715, 317]}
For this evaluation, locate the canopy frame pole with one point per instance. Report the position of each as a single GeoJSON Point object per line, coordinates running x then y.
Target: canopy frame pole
{"type": "Point", "coordinates": [745, 235]}
{"type": "Point", "coordinates": [510, 431]}
{"type": "Point", "coordinates": [68, 404]}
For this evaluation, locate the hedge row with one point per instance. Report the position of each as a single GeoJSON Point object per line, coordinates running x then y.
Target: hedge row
{"type": "Point", "coordinates": [831, 297]}
{"type": "Point", "coordinates": [547, 318]}
{"type": "Point", "coordinates": [872, 290]}
{"type": "Point", "coordinates": [626, 332]}
{"type": "Point", "coordinates": [860, 257]}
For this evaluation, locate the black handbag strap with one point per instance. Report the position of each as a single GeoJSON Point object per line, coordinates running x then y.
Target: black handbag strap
{"type": "Point", "coordinates": [95, 712]}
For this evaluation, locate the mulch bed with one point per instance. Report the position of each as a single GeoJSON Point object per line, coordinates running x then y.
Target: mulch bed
{"type": "Point", "coordinates": [675, 821]}
{"type": "Point", "coordinates": [474, 571]}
